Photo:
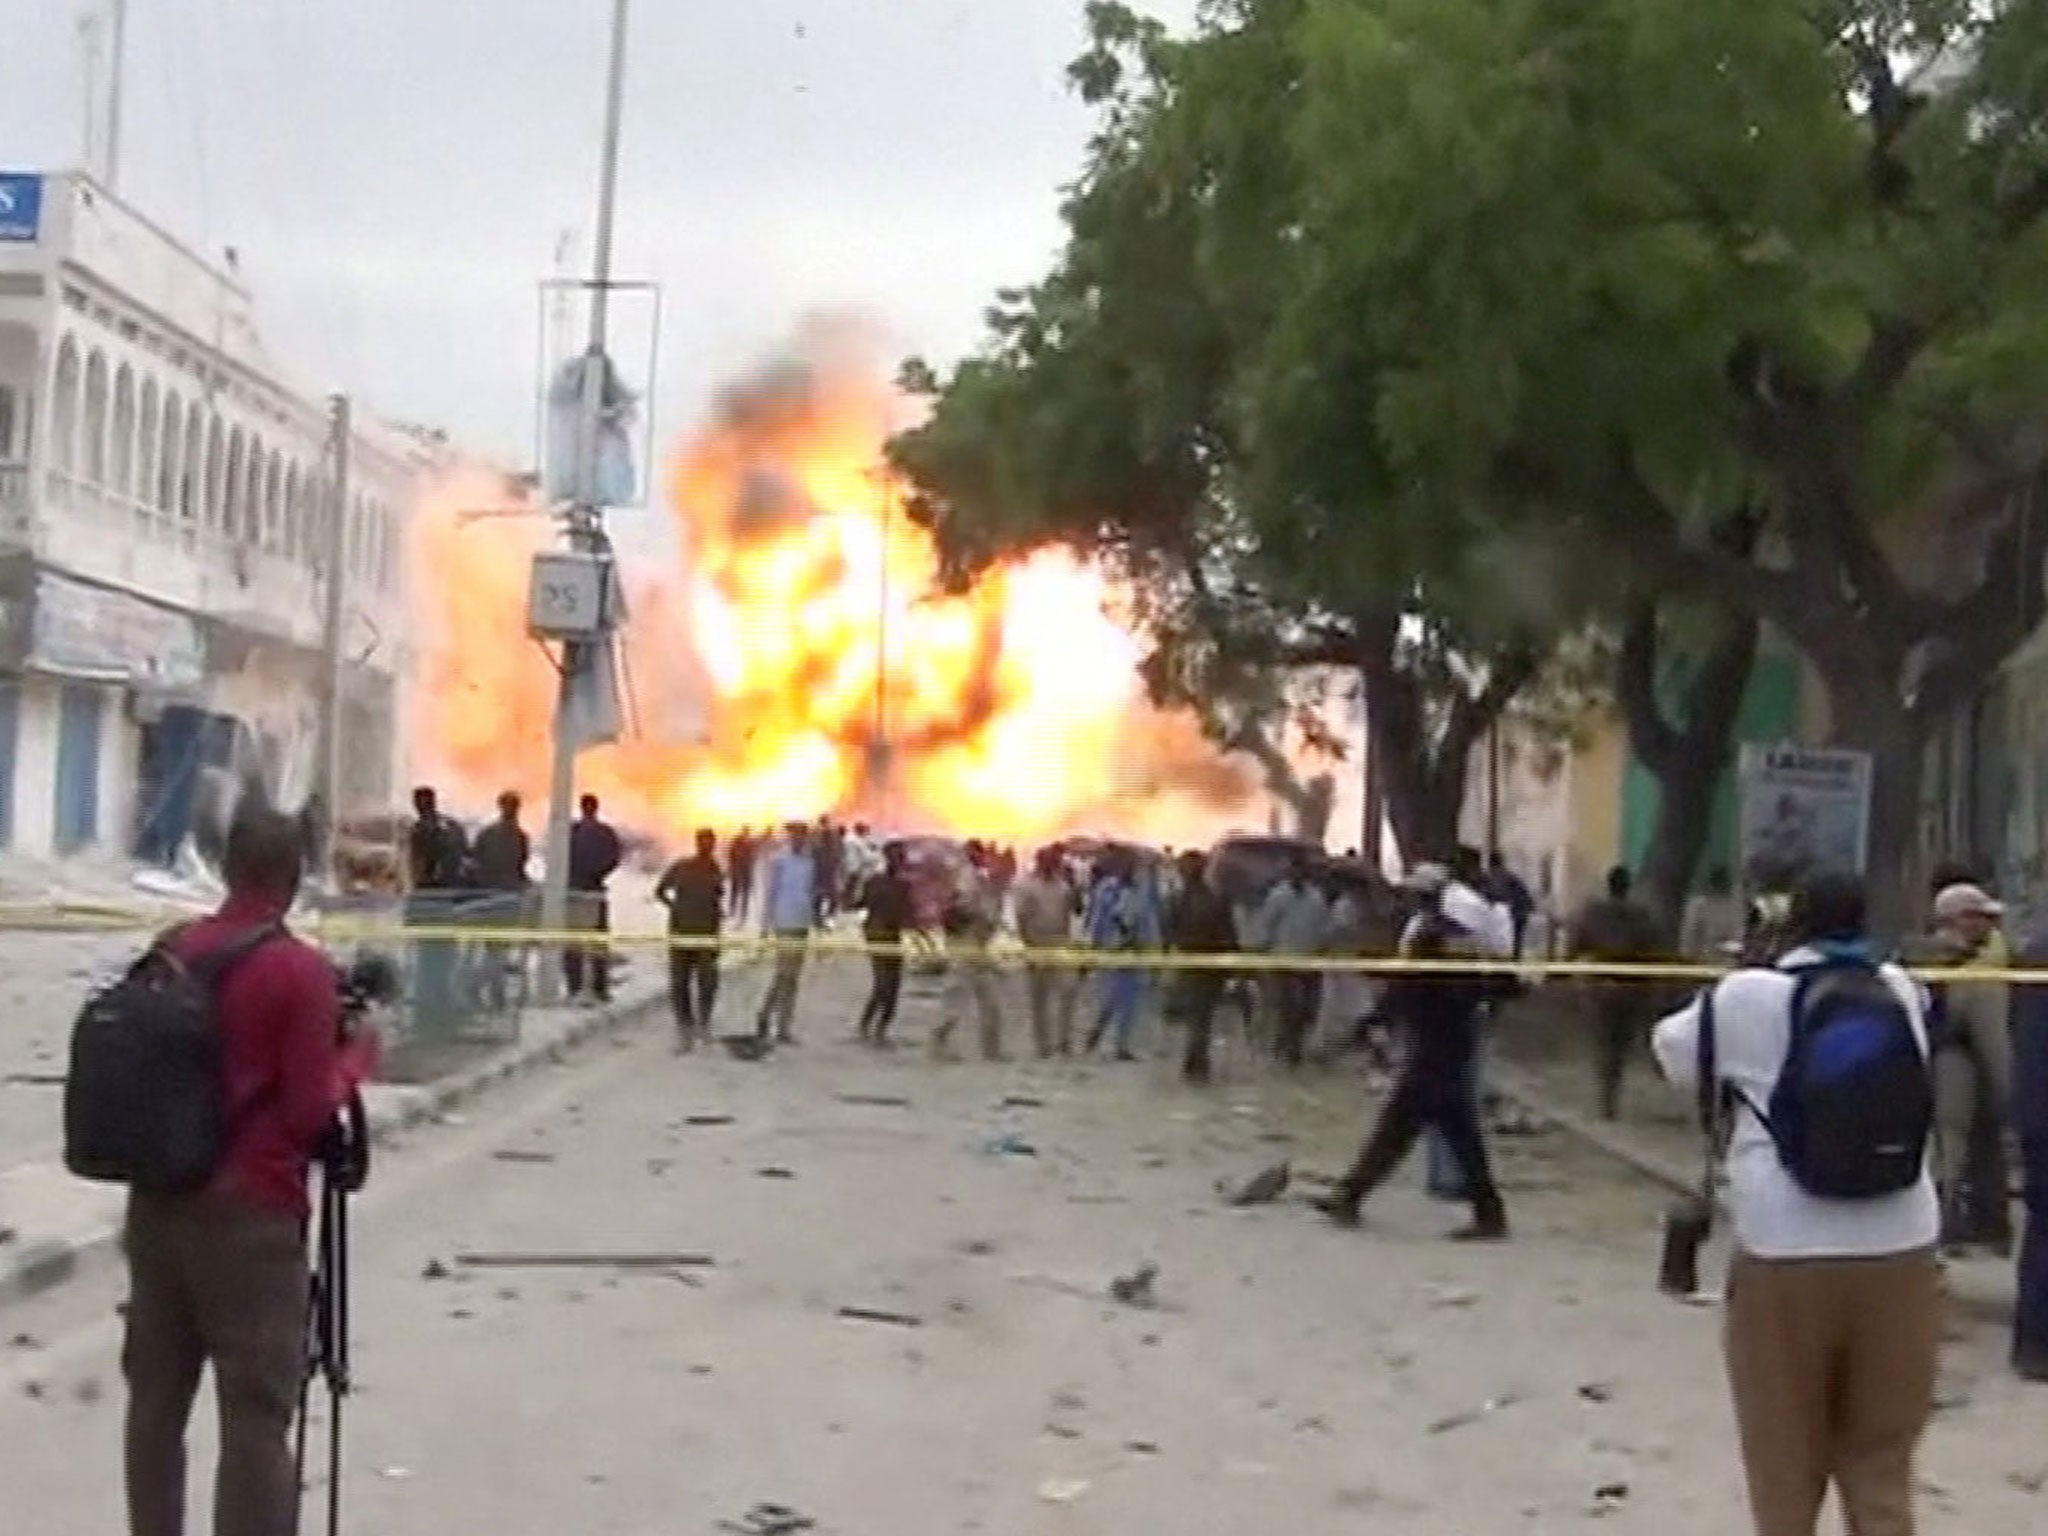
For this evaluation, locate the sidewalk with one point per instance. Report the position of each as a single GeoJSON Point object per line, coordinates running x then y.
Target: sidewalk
{"type": "Point", "coordinates": [1657, 1140]}
{"type": "Point", "coordinates": [53, 1226]}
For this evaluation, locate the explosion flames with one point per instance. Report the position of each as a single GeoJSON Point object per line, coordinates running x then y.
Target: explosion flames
{"type": "Point", "coordinates": [803, 661]}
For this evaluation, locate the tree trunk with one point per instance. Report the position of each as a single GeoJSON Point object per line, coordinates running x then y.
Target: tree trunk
{"type": "Point", "coordinates": [1686, 758]}
{"type": "Point", "coordinates": [1308, 801]}
{"type": "Point", "coordinates": [1423, 779]}
{"type": "Point", "coordinates": [1875, 720]}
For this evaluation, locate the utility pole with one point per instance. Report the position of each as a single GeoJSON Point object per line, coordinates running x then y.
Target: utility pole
{"type": "Point", "coordinates": [586, 515]}
{"type": "Point", "coordinates": [327, 761]}
{"type": "Point", "coordinates": [116, 89]}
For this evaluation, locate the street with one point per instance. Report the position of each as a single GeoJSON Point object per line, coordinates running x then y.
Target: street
{"type": "Point", "coordinates": [1290, 1377]}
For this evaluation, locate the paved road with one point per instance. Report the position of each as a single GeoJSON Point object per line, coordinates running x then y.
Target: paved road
{"type": "Point", "coordinates": [1293, 1378]}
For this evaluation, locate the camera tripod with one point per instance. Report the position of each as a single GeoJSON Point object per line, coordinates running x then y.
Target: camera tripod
{"type": "Point", "coordinates": [344, 1166]}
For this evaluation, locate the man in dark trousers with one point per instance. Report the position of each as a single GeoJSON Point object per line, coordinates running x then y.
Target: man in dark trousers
{"type": "Point", "coordinates": [693, 890]}
{"type": "Point", "coordinates": [1441, 1016]}
{"type": "Point", "coordinates": [437, 858]}
{"type": "Point", "coordinates": [1620, 929]}
{"type": "Point", "coordinates": [2030, 1116]}
{"type": "Point", "coordinates": [219, 1277]}
{"type": "Point", "coordinates": [498, 865]}
{"type": "Point", "coordinates": [1198, 922]}
{"type": "Point", "coordinates": [887, 898]}
{"type": "Point", "coordinates": [593, 854]}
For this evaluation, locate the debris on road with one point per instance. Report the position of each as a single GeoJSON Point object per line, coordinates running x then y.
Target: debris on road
{"type": "Point", "coordinates": [774, 1171]}
{"type": "Point", "coordinates": [707, 1120]}
{"type": "Point", "coordinates": [24, 1341]}
{"type": "Point", "coordinates": [586, 1260]}
{"type": "Point", "coordinates": [1142, 1447]}
{"type": "Point", "coordinates": [1262, 1188]}
{"type": "Point", "coordinates": [521, 1155]}
{"type": "Point", "coordinates": [769, 1520]}
{"type": "Point", "coordinates": [1009, 1144]}
{"type": "Point", "coordinates": [35, 1079]}
{"type": "Point", "coordinates": [874, 1100]}
{"type": "Point", "coordinates": [746, 1047]}
{"type": "Point", "coordinates": [1135, 1289]}
{"type": "Point", "coordinates": [1471, 1416]}
{"type": "Point", "coordinates": [1021, 1101]}
{"type": "Point", "coordinates": [436, 1270]}
{"type": "Point", "coordinates": [1596, 1392]}
{"type": "Point", "coordinates": [879, 1315]}
{"type": "Point", "coordinates": [1063, 1490]}
{"type": "Point", "coordinates": [1607, 1498]}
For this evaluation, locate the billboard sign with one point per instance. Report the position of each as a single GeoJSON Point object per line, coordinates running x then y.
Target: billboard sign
{"type": "Point", "coordinates": [21, 207]}
{"type": "Point", "coordinates": [1804, 809]}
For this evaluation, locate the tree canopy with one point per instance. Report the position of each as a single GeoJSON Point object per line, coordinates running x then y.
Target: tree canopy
{"type": "Point", "coordinates": [1388, 318]}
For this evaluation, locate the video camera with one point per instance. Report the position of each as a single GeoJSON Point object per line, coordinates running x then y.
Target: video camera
{"type": "Point", "coordinates": [370, 980]}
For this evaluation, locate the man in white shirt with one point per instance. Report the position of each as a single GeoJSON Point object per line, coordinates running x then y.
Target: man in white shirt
{"type": "Point", "coordinates": [1833, 1304]}
{"type": "Point", "coordinates": [1490, 933]}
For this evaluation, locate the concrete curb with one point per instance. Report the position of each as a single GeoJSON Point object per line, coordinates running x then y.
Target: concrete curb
{"type": "Point", "coordinates": [1980, 1290]}
{"type": "Point", "coordinates": [30, 1268]}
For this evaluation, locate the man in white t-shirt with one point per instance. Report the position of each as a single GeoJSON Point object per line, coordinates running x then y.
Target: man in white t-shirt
{"type": "Point", "coordinates": [1833, 1304]}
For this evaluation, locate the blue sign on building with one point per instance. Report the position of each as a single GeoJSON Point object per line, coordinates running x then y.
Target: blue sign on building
{"type": "Point", "coordinates": [21, 206]}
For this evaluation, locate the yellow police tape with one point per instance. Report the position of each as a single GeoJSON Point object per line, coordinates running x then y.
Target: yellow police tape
{"type": "Point", "coordinates": [94, 918]}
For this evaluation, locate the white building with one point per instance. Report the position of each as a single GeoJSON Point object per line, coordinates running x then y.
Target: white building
{"type": "Point", "coordinates": [164, 505]}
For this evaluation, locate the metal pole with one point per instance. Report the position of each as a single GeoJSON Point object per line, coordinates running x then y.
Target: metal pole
{"type": "Point", "coordinates": [585, 514]}
{"type": "Point", "coordinates": [327, 761]}
{"type": "Point", "coordinates": [118, 79]}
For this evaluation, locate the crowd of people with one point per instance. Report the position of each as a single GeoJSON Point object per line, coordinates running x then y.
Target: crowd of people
{"type": "Point", "coordinates": [1864, 1099]}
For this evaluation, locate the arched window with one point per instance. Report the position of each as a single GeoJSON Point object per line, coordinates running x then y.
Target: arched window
{"type": "Point", "coordinates": [192, 471]}
{"type": "Point", "coordinates": [93, 450]}
{"type": "Point", "coordinates": [252, 502]}
{"type": "Point", "coordinates": [121, 434]}
{"type": "Point", "coordinates": [147, 421]}
{"type": "Point", "coordinates": [170, 468]}
{"type": "Point", "coordinates": [273, 502]}
{"type": "Point", "coordinates": [216, 472]}
{"type": "Point", "coordinates": [234, 488]}
{"type": "Point", "coordinates": [64, 409]}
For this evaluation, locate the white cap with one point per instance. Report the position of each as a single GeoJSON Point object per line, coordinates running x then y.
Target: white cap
{"type": "Point", "coordinates": [1965, 900]}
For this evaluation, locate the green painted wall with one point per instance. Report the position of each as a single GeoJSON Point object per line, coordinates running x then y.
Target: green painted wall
{"type": "Point", "coordinates": [1770, 713]}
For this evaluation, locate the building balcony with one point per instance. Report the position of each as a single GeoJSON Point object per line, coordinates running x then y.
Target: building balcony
{"type": "Point", "coordinates": [121, 542]}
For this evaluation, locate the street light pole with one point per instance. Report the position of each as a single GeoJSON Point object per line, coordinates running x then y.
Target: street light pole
{"type": "Point", "coordinates": [586, 514]}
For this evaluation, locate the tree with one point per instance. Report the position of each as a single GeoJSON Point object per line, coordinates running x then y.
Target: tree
{"type": "Point", "coordinates": [1636, 261]}
{"type": "Point", "coordinates": [1110, 410]}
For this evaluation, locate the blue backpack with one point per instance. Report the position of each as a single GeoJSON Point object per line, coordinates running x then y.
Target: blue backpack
{"type": "Point", "coordinates": [1853, 1106]}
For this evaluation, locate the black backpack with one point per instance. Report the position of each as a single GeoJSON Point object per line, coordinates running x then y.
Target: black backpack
{"type": "Point", "coordinates": [1853, 1106]}
{"type": "Point", "coordinates": [145, 1101]}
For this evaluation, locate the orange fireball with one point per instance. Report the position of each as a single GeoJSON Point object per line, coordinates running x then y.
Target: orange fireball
{"type": "Point", "coordinates": [804, 660]}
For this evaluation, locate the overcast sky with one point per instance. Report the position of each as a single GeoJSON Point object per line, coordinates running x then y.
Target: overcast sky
{"type": "Point", "coordinates": [396, 174]}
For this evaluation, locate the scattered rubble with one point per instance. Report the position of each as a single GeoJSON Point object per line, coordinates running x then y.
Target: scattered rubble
{"type": "Point", "coordinates": [1471, 1416]}
{"type": "Point", "coordinates": [1262, 1188]}
{"type": "Point", "coordinates": [881, 1315]}
{"type": "Point", "coordinates": [1135, 1289]}
{"type": "Point", "coordinates": [767, 1519]}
